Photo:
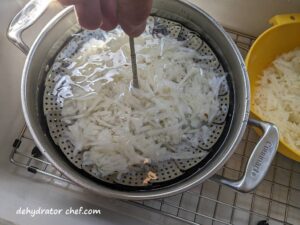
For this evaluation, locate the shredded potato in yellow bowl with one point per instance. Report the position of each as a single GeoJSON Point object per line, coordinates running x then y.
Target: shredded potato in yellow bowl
{"type": "Point", "coordinates": [277, 96]}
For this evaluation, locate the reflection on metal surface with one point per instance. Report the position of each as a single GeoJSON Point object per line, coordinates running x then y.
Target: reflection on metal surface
{"type": "Point", "coordinates": [24, 19]}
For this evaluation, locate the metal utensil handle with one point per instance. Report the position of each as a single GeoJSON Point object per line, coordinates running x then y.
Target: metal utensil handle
{"type": "Point", "coordinates": [23, 20]}
{"type": "Point", "coordinates": [259, 161]}
{"type": "Point", "coordinates": [133, 63]}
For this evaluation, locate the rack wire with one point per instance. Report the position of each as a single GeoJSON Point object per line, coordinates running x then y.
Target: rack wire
{"type": "Point", "coordinates": [276, 201]}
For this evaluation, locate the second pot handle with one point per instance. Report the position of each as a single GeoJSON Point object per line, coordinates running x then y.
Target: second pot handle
{"type": "Point", "coordinates": [285, 19]}
{"type": "Point", "coordinates": [259, 161]}
{"type": "Point", "coordinates": [24, 19]}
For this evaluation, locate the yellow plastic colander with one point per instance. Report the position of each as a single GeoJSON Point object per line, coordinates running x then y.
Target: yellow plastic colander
{"type": "Point", "coordinates": [282, 37]}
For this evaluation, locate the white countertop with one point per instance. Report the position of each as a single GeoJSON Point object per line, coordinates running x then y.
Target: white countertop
{"type": "Point", "coordinates": [16, 190]}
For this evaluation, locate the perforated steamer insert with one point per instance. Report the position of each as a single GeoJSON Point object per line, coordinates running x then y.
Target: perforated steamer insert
{"type": "Point", "coordinates": [168, 172]}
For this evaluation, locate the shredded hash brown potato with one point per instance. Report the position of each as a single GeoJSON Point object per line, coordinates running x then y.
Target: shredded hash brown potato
{"type": "Point", "coordinates": [277, 97]}
{"type": "Point", "coordinates": [117, 126]}
{"type": "Point", "coordinates": [150, 176]}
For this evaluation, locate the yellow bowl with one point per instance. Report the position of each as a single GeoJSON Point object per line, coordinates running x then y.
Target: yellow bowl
{"type": "Point", "coordinates": [282, 37]}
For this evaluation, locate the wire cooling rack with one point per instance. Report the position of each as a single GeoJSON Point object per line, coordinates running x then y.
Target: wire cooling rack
{"type": "Point", "coordinates": [276, 201]}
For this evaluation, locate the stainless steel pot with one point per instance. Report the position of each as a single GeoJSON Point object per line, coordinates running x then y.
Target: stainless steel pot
{"type": "Point", "coordinates": [58, 31]}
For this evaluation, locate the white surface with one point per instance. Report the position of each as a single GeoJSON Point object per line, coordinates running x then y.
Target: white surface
{"type": "Point", "coordinates": [247, 16]}
{"type": "Point", "coordinates": [16, 190]}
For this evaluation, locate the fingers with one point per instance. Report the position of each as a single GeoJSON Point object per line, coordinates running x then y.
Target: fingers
{"type": "Point", "coordinates": [109, 14]}
{"type": "Point", "coordinates": [106, 14]}
{"type": "Point", "coordinates": [132, 15]}
{"type": "Point", "coordinates": [89, 13]}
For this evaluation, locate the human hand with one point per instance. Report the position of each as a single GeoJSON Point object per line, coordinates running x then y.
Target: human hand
{"type": "Point", "coordinates": [131, 15]}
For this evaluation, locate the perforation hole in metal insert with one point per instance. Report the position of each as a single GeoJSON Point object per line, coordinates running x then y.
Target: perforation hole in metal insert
{"type": "Point", "coordinates": [68, 149]}
{"type": "Point", "coordinates": [208, 57]}
{"type": "Point", "coordinates": [224, 104]}
{"type": "Point", "coordinates": [174, 30]}
{"type": "Point", "coordinates": [165, 171]}
{"type": "Point", "coordinates": [217, 130]}
{"type": "Point", "coordinates": [224, 86]}
{"type": "Point", "coordinates": [134, 178]}
{"type": "Point", "coordinates": [185, 164]}
{"type": "Point", "coordinates": [194, 42]}
{"type": "Point", "coordinates": [93, 171]}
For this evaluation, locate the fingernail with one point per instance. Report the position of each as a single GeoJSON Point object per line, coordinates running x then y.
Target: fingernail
{"type": "Point", "coordinates": [134, 31]}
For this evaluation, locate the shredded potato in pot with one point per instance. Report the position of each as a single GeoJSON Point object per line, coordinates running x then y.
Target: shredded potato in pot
{"type": "Point", "coordinates": [118, 126]}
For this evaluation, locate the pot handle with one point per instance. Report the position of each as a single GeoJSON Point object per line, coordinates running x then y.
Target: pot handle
{"type": "Point", "coordinates": [285, 19]}
{"type": "Point", "coordinates": [259, 161]}
{"type": "Point", "coordinates": [23, 20]}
